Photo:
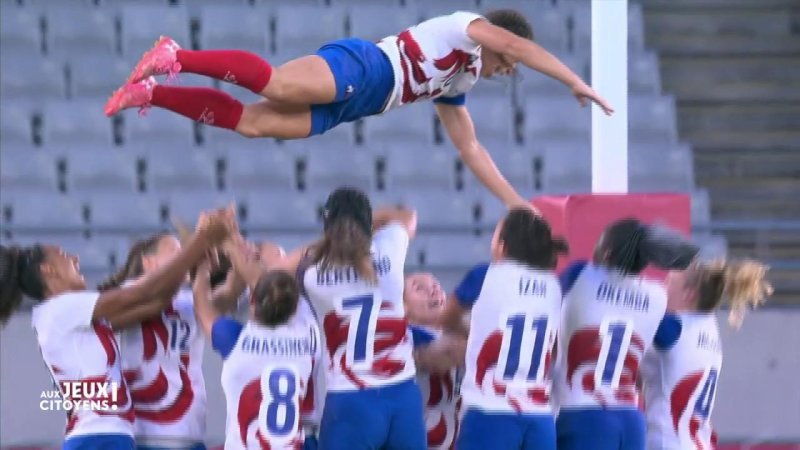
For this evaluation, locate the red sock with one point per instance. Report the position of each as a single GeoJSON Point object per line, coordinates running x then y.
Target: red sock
{"type": "Point", "coordinates": [204, 105]}
{"type": "Point", "coordinates": [234, 66]}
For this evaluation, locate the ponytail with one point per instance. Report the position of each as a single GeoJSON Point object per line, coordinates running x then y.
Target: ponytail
{"type": "Point", "coordinates": [345, 244]}
{"type": "Point", "coordinates": [630, 246]}
{"type": "Point", "coordinates": [20, 275]}
{"type": "Point", "coordinates": [742, 284]}
{"type": "Point", "coordinates": [134, 266]}
{"type": "Point", "coordinates": [528, 239]}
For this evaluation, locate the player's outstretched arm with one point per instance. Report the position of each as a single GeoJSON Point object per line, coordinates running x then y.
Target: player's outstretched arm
{"type": "Point", "coordinates": [204, 309]}
{"type": "Point", "coordinates": [405, 217]}
{"type": "Point", "coordinates": [535, 57]}
{"type": "Point", "coordinates": [458, 123]}
{"type": "Point", "coordinates": [126, 306]}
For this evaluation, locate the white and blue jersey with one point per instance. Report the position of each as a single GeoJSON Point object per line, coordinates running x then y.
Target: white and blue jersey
{"type": "Point", "coordinates": [680, 383]}
{"type": "Point", "coordinates": [440, 395]}
{"type": "Point", "coordinates": [266, 377]}
{"type": "Point", "coordinates": [609, 320]}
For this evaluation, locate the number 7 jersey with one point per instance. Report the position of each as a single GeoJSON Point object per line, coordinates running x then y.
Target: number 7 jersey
{"type": "Point", "coordinates": [366, 334]}
{"type": "Point", "coordinates": [515, 315]}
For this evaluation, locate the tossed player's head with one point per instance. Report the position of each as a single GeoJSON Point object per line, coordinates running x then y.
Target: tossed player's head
{"type": "Point", "coordinates": [494, 63]}
{"type": "Point", "coordinates": [705, 285]}
{"type": "Point", "coordinates": [629, 246]}
{"type": "Point", "coordinates": [525, 237]}
{"type": "Point", "coordinates": [424, 299]}
{"type": "Point", "coordinates": [39, 272]}
{"type": "Point", "coordinates": [274, 299]}
{"type": "Point", "coordinates": [144, 256]}
{"type": "Point", "coordinates": [347, 238]}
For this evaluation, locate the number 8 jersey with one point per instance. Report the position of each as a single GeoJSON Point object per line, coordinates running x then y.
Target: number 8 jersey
{"type": "Point", "coordinates": [515, 315]}
{"type": "Point", "coordinates": [608, 322]}
{"type": "Point", "coordinates": [364, 327]}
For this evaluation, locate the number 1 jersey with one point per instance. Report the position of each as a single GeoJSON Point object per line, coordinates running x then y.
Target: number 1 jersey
{"type": "Point", "coordinates": [608, 322]}
{"type": "Point", "coordinates": [367, 340]}
{"type": "Point", "coordinates": [515, 315]}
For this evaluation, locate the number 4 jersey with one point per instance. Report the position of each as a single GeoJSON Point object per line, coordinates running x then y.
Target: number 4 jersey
{"type": "Point", "coordinates": [680, 384]}
{"type": "Point", "coordinates": [608, 322]}
{"type": "Point", "coordinates": [515, 315]}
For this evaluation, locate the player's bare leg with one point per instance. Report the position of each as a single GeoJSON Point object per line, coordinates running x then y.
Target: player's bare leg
{"type": "Point", "coordinates": [274, 119]}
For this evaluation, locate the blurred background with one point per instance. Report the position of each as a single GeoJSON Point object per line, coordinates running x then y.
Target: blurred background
{"type": "Point", "coordinates": [714, 112]}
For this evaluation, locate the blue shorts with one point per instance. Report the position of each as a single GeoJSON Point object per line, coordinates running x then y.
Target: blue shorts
{"type": "Point", "coordinates": [601, 429]}
{"type": "Point", "coordinates": [389, 418]}
{"type": "Point", "coordinates": [198, 446]}
{"type": "Point", "coordinates": [364, 81]}
{"type": "Point", "coordinates": [100, 442]}
{"type": "Point", "coordinates": [482, 430]}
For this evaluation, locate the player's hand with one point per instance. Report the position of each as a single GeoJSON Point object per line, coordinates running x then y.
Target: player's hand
{"type": "Point", "coordinates": [216, 226]}
{"type": "Point", "coordinates": [586, 94]}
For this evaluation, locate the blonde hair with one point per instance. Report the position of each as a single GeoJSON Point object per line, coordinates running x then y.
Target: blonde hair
{"type": "Point", "coordinates": [742, 284]}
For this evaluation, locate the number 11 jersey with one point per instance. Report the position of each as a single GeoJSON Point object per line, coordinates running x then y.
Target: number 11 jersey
{"type": "Point", "coordinates": [366, 336]}
{"type": "Point", "coordinates": [515, 315]}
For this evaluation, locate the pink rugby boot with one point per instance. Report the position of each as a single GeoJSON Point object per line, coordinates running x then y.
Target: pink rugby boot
{"type": "Point", "coordinates": [162, 59]}
{"type": "Point", "coordinates": [132, 95]}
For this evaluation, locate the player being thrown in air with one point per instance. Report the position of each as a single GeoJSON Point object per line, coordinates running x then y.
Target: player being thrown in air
{"type": "Point", "coordinates": [439, 59]}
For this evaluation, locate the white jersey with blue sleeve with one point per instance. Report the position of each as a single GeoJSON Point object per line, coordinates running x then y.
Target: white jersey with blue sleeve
{"type": "Point", "coordinates": [680, 382]}
{"type": "Point", "coordinates": [266, 376]}
{"type": "Point", "coordinates": [435, 59]}
{"type": "Point", "coordinates": [513, 326]}
{"type": "Point", "coordinates": [365, 330]}
{"type": "Point", "coordinates": [83, 356]}
{"type": "Point", "coordinates": [162, 364]}
{"type": "Point", "coordinates": [440, 395]}
{"type": "Point", "coordinates": [609, 321]}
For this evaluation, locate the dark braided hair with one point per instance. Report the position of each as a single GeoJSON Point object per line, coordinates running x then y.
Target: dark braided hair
{"type": "Point", "coordinates": [275, 298]}
{"type": "Point", "coordinates": [20, 274]}
{"type": "Point", "coordinates": [348, 234]}
{"type": "Point", "coordinates": [528, 239]}
{"type": "Point", "coordinates": [512, 21]}
{"type": "Point", "coordinates": [134, 266]}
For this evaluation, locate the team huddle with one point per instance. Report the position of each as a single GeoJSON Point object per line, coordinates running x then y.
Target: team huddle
{"type": "Point", "coordinates": [332, 345]}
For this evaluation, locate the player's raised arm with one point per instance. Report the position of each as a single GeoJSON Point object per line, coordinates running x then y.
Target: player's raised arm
{"type": "Point", "coordinates": [458, 123]}
{"type": "Point", "coordinates": [405, 217]}
{"type": "Point", "coordinates": [515, 48]}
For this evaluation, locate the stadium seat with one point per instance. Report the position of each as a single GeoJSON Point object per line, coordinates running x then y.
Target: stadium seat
{"type": "Point", "coordinates": [494, 119]}
{"type": "Point", "coordinates": [100, 169]}
{"type": "Point", "coordinates": [412, 125]}
{"type": "Point", "coordinates": [181, 168]}
{"type": "Point", "coordinates": [33, 171]}
{"type": "Point", "coordinates": [712, 246]}
{"type": "Point", "coordinates": [343, 134]}
{"type": "Point", "coordinates": [652, 119]}
{"type": "Point", "coordinates": [532, 84]}
{"type": "Point", "coordinates": [379, 19]}
{"type": "Point", "coordinates": [432, 167]}
{"type": "Point", "coordinates": [196, 8]}
{"type": "Point", "coordinates": [287, 241]}
{"type": "Point", "coordinates": [20, 31]}
{"type": "Point", "coordinates": [158, 126]}
{"type": "Point", "coordinates": [436, 8]}
{"type": "Point", "coordinates": [566, 167]}
{"type": "Point", "coordinates": [516, 166]}
{"type": "Point", "coordinates": [268, 169]}
{"type": "Point", "coordinates": [666, 168]}
{"type": "Point", "coordinates": [558, 118]}
{"type": "Point", "coordinates": [440, 210]}
{"type": "Point", "coordinates": [44, 212]}
{"type": "Point", "coordinates": [294, 35]}
{"type": "Point", "coordinates": [493, 88]}
{"type": "Point", "coordinates": [234, 26]}
{"type": "Point", "coordinates": [266, 4]}
{"type": "Point", "coordinates": [581, 13]}
{"type": "Point", "coordinates": [644, 76]}
{"type": "Point", "coordinates": [89, 83]}
{"type": "Point", "coordinates": [369, 4]}
{"type": "Point", "coordinates": [31, 81]}
{"type": "Point", "coordinates": [143, 24]}
{"type": "Point", "coordinates": [15, 126]}
{"type": "Point", "coordinates": [139, 211]}
{"type": "Point", "coordinates": [329, 168]}
{"type": "Point", "coordinates": [76, 123]}
{"type": "Point", "coordinates": [491, 211]}
{"type": "Point", "coordinates": [701, 209]}
{"type": "Point", "coordinates": [455, 251]}
{"type": "Point", "coordinates": [73, 31]}
{"type": "Point", "coordinates": [186, 205]}
{"type": "Point", "coordinates": [276, 211]}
